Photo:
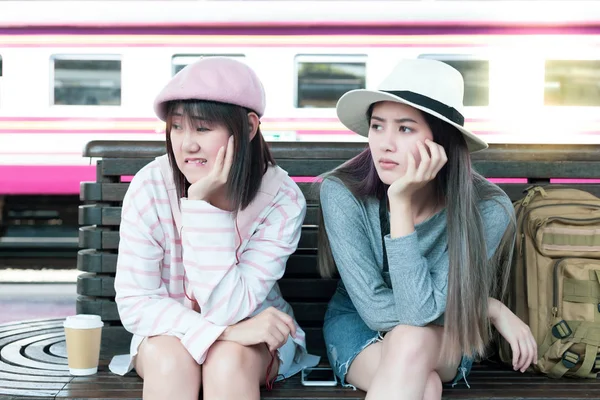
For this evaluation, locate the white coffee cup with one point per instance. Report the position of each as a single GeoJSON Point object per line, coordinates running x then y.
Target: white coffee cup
{"type": "Point", "coordinates": [83, 334]}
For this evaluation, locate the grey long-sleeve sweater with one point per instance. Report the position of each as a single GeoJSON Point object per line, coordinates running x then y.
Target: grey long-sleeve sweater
{"type": "Point", "coordinates": [415, 289]}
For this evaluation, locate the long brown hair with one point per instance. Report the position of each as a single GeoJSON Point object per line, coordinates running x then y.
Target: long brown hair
{"type": "Point", "coordinates": [473, 276]}
{"type": "Point", "coordinates": [251, 157]}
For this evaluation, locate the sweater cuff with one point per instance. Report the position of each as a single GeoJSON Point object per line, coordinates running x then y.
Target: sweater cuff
{"type": "Point", "coordinates": [198, 340]}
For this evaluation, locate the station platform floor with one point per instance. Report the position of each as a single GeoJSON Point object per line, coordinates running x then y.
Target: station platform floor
{"type": "Point", "coordinates": [33, 294]}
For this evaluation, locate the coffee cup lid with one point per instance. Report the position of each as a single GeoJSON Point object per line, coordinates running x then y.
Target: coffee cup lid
{"type": "Point", "coordinates": [83, 321]}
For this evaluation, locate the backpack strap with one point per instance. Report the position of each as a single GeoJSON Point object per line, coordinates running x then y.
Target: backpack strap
{"type": "Point", "coordinates": [385, 229]}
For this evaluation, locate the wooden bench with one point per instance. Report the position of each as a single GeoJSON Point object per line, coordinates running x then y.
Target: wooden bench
{"type": "Point", "coordinates": [301, 285]}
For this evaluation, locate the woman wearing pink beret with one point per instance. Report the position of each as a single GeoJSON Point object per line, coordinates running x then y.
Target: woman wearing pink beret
{"type": "Point", "coordinates": [205, 234]}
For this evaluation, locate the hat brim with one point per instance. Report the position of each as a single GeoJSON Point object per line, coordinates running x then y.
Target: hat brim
{"type": "Point", "coordinates": [352, 110]}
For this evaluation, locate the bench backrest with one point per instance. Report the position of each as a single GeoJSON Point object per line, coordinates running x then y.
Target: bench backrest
{"type": "Point", "coordinates": [99, 216]}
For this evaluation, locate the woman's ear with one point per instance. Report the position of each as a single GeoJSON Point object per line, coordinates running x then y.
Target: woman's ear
{"type": "Point", "coordinates": [253, 122]}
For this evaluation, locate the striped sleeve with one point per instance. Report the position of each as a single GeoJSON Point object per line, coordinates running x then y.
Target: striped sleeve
{"type": "Point", "coordinates": [229, 290]}
{"type": "Point", "coordinates": [142, 298]}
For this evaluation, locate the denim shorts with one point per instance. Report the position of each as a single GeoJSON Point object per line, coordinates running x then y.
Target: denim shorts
{"type": "Point", "coordinates": [346, 335]}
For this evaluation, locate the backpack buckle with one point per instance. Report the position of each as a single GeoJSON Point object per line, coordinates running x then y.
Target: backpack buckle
{"type": "Point", "coordinates": [570, 359]}
{"type": "Point", "coordinates": [561, 330]}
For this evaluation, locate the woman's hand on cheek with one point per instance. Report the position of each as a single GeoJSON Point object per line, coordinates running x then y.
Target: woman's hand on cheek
{"type": "Point", "coordinates": [217, 177]}
{"type": "Point", "coordinates": [415, 177]}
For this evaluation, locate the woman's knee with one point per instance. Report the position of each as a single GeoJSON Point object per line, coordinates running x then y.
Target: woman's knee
{"type": "Point", "coordinates": [412, 345]}
{"type": "Point", "coordinates": [227, 359]}
{"type": "Point", "coordinates": [165, 356]}
{"type": "Point", "coordinates": [433, 387]}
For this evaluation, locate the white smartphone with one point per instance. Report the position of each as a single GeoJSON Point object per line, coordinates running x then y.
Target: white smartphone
{"type": "Point", "coordinates": [318, 377]}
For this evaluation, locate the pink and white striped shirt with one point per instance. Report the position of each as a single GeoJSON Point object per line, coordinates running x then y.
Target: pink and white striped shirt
{"type": "Point", "coordinates": [164, 244]}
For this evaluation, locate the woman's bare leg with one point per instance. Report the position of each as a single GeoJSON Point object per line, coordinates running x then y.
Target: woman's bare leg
{"type": "Point", "coordinates": [405, 365]}
{"type": "Point", "coordinates": [168, 370]}
{"type": "Point", "coordinates": [233, 371]}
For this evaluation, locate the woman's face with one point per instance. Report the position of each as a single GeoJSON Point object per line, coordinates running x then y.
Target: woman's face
{"type": "Point", "coordinates": [394, 131]}
{"type": "Point", "coordinates": [196, 143]}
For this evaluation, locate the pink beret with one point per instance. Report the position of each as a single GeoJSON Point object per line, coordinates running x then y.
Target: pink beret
{"type": "Point", "coordinates": [219, 79]}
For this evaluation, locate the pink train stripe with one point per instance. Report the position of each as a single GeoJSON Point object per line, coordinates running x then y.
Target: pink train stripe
{"type": "Point", "coordinates": [65, 179]}
{"type": "Point", "coordinates": [224, 45]}
{"type": "Point", "coordinates": [38, 179]}
{"type": "Point", "coordinates": [79, 119]}
{"type": "Point", "coordinates": [298, 24]}
{"type": "Point", "coordinates": [305, 179]}
{"type": "Point", "coordinates": [117, 131]}
{"type": "Point", "coordinates": [508, 180]}
{"type": "Point", "coordinates": [78, 131]}
{"type": "Point", "coordinates": [152, 120]}
{"type": "Point", "coordinates": [566, 181]}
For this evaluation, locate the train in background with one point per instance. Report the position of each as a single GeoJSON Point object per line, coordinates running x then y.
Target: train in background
{"type": "Point", "coordinates": [72, 72]}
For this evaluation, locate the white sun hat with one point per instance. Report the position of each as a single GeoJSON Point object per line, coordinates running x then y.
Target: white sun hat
{"type": "Point", "coordinates": [431, 86]}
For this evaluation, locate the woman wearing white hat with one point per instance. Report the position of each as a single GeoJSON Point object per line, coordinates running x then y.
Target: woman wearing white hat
{"type": "Point", "coordinates": [421, 241]}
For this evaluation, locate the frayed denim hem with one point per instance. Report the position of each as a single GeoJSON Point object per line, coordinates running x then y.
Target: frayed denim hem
{"type": "Point", "coordinates": [342, 369]}
{"type": "Point", "coordinates": [463, 371]}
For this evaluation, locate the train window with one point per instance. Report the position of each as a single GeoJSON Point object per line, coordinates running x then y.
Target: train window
{"type": "Point", "coordinates": [572, 83]}
{"type": "Point", "coordinates": [179, 61]}
{"type": "Point", "coordinates": [87, 80]}
{"type": "Point", "coordinates": [322, 80]}
{"type": "Point", "coordinates": [476, 75]}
